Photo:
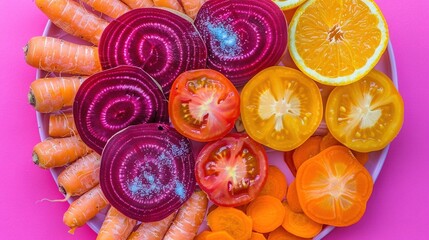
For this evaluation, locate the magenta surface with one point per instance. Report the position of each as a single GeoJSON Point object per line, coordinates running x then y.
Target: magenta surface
{"type": "Point", "coordinates": [147, 171]}
{"type": "Point", "coordinates": [114, 99]}
{"type": "Point", "coordinates": [242, 37]}
{"type": "Point", "coordinates": [397, 209]}
{"type": "Point", "coordinates": [163, 43]}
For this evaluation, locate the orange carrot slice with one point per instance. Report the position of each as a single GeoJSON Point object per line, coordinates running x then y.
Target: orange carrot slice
{"type": "Point", "coordinates": [281, 234]}
{"type": "Point", "coordinates": [231, 220]}
{"type": "Point", "coordinates": [327, 141]}
{"type": "Point", "coordinates": [362, 157]}
{"type": "Point", "coordinates": [292, 198]}
{"type": "Point", "coordinates": [257, 236]}
{"type": "Point", "coordinates": [218, 235]}
{"type": "Point", "coordinates": [299, 224]}
{"type": "Point", "coordinates": [276, 183]}
{"type": "Point", "coordinates": [308, 149]}
{"type": "Point", "coordinates": [202, 235]}
{"type": "Point", "coordinates": [267, 213]}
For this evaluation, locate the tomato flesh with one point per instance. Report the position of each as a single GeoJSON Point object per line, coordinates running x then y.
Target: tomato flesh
{"type": "Point", "coordinates": [281, 108]}
{"type": "Point", "coordinates": [203, 105]}
{"type": "Point", "coordinates": [232, 170]}
{"type": "Point", "coordinates": [366, 115]}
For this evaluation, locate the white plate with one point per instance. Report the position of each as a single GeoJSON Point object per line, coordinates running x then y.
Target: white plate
{"type": "Point", "coordinates": [374, 165]}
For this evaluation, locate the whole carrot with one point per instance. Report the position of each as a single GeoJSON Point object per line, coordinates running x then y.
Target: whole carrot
{"type": "Point", "coordinates": [53, 94]}
{"type": "Point", "coordinates": [138, 3]}
{"type": "Point", "coordinates": [152, 230]}
{"type": "Point", "coordinates": [116, 226]}
{"type": "Point", "coordinates": [172, 4]}
{"type": "Point", "coordinates": [85, 208]}
{"type": "Point", "coordinates": [73, 18]}
{"type": "Point", "coordinates": [191, 7]}
{"type": "Point", "coordinates": [80, 176]}
{"type": "Point", "coordinates": [111, 8]}
{"type": "Point", "coordinates": [61, 125]}
{"type": "Point", "coordinates": [57, 152]}
{"type": "Point", "coordinates": [57, 55]}
{"type": "Point", "coordinates": [189, 218]}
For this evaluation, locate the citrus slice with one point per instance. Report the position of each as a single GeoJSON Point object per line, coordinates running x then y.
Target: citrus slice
{"type": "Point", "coordinates": [337, 42]}
{"type": "Point", "coordinates": [288, 4]}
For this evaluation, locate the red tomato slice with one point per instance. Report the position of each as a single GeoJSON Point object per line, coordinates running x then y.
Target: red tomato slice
{"type": "Point", "coordinates": [203, 105]}
{"type": "Point", "coordinates": [232, 170]}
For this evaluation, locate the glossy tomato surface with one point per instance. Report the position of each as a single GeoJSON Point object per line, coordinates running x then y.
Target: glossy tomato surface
{"type": "Point", "coordinates": [366, 115]}
{"type": "Point", "coordinates": [232, 170]}
{"type": "Point", "coordinates": [203, 105]}
{"type": "Point", "coordinates": [281, 108]}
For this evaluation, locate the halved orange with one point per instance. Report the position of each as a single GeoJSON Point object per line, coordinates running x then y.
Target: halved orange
{"type": "Point", "coordinates": [288, 4]}
{"type": "Point", "coordinates": [337, 42]}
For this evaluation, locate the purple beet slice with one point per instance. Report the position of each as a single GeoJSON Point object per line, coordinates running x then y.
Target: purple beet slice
{"type": "Point", "coordinates": [114, 99]}
{"type": "Point", "coordinates": [242, 37]}
{"type": "Point", "coordinates": [161, 42]}
{"type": "Point", "coordinates": [147, 171]}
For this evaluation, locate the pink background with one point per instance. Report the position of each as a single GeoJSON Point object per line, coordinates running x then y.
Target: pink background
{"type": "Point", "coordinates": [398, 208]}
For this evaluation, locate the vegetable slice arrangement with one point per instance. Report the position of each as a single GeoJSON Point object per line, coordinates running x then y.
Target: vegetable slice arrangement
{"type": "Point", "coordinates": [117, 181]}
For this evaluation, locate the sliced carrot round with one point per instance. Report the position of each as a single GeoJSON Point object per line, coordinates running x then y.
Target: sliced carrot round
{"type": "Point", "coordinates": [257, 236]}
{"type": "Point", "coordinates": [231, 220]}
{"type": "Point", "coordinates": [276, 183]}
{"type": "Point", "coordinates": [281, 234]}
{"type": "Point", "coordinates": [299, 224]}
{"type": "Point", "coordinates": [308, 149]}
{"type": "Point", "coordinates": [292, 198]}
{"type": "Point", "coordinates": [267, 213]}
{"type": "Point", "coordinates": [333, 187]}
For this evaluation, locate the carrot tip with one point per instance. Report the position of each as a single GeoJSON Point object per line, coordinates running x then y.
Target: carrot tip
{"type": "Point", "coordinates": [31, 98]}
{"type": "Point", "coordinates": [36, 159]}
{"type": "Point", "coordinates": [25, 49]}
{"type": "Point", "coordinates": [71, 231]}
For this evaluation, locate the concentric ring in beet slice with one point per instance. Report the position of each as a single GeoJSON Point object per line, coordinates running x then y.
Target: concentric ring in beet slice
{"type": "Point", "coordinates": [162, 42]}
{"type": "Point", "coordinates": [147, 171]}
{"type": "Point", "coordinates": [114, 99]}
{"type": "Point", "coordinates": [242, 37]}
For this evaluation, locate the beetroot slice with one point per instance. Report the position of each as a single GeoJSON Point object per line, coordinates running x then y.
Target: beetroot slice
{"type": "Point", "coordinates": [114, 99]}
{"type": "Point", "coordinates": [147, 171]}
{"type": "Point", "coordinates": [161, 42]}
{"type": "Point", "coordinates": [242, 37]}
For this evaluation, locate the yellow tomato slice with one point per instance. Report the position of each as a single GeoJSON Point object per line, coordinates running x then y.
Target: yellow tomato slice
{"type": "Point", "coordinates": [281, 108]}
{"type": "Point", "coordinates": [366, 115]}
